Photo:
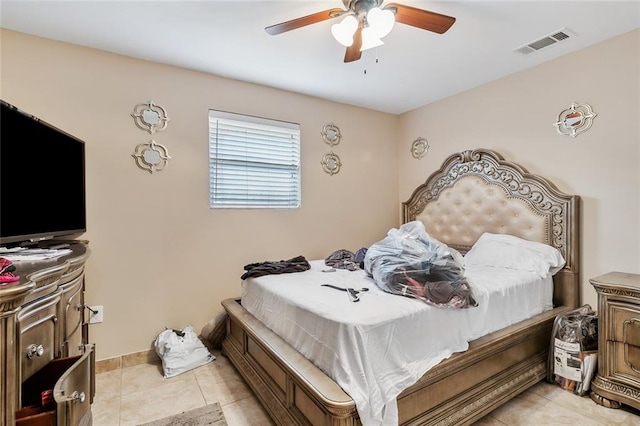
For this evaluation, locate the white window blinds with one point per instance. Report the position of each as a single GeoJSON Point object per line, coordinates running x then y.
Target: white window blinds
{"type": "Point", "coordinates": [253, 162]}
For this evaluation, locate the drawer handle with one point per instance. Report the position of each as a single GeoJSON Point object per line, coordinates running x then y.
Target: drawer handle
{"type": "Point", "coordinates": [33, 350]}
{"type": "Point", "coordinates": [77, 396]}
{"type": "Point", "coordinates": [625, 327]}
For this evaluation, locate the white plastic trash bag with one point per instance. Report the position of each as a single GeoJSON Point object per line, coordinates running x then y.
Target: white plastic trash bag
{"type": "Point", "coordinates": [180, 351]}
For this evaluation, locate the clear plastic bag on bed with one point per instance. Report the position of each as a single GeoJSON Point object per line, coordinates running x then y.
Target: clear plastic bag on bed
{"type": "Point", "coordinates": [573, 350]}
{"type": "Point", "coordinates": [411, 263]}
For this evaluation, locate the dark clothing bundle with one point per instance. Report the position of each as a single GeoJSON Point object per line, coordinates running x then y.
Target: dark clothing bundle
{"type": "Point", "coordinates": [295, 264]}
{"type": "Point", "coordinates": [344, 259]}
{"type": "Point", "coordinates": [410, 263]}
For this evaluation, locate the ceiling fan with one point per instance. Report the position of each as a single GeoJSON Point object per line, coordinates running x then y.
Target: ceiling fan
{"type": "Point", "coordinates": [366, 23]}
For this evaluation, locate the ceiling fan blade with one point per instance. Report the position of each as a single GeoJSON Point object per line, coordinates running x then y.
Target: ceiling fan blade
{"type": "Point", "coordinates": [420, 18]}
{"type": "Point", "coordinates": [353, 52]}
{"type": "Point", "coordinates": [304, 21]}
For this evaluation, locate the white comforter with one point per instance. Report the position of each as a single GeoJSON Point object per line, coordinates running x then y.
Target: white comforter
{"type": "Point", "coordinates": [379, 346]}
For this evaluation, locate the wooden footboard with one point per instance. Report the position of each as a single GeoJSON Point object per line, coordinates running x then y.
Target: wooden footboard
{"type": "Point", "coordinates": [292, 390]}
{"type": "Point", "coordinates": [459, 390]}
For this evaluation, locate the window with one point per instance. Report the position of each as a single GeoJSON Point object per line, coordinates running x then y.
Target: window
{"type": "Point", "coordinates": [253, 162]}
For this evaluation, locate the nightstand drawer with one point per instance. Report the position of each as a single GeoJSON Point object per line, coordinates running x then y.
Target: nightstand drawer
{"type": "Point", "coordinates": [625, 338]}
{"type": "Point", "coordinates": [625, 322]}
{"type": "Point", "coordinates": [626, 363]}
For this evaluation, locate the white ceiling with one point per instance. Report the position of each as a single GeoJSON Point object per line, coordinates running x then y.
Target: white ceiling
{"type": "Point", "coordinates": [415, 67]}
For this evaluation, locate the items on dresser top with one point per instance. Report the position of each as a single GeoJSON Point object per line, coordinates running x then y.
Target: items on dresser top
{"type": "Point", "coordinates": [17, 254]}
{"type": "Point", "coordinates": [7, 269]}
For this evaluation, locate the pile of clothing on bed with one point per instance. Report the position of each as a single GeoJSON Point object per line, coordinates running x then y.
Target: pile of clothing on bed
{"type": "Point", "coordinates": [407, 262]}
{"type": "Point", "coordinates": [411, 263]}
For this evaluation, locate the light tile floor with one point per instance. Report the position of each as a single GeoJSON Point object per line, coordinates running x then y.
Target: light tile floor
{"type": "Point", "coordinates": [140, 394]}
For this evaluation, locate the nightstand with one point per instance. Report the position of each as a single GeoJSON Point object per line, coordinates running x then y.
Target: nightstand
{"type": "Point", "coordinates": [618, 379]}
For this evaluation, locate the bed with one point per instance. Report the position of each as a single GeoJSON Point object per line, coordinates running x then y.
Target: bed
{"type": "Point", "coordinates": [473, 193]}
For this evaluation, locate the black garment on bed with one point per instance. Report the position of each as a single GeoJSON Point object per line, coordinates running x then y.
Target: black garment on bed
{"type": "Point", "coordinates": [295, 264]}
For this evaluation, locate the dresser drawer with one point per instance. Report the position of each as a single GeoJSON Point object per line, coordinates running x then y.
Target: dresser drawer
{"type": "Point", "coordinates": [37, 334]}
{"type": "Point", "coordinates": [75, 389]}
{"type": "Point", "coordinates": [70, 382]}
{"type": "Point", "coordinates": [71, 318]}
{"type": "Point", "coordinates": [46, 282]}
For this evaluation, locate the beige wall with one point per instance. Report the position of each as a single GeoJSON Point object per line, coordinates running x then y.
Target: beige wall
{"type": "Point", "coordinates": [515, 117]}
{"type": "Point", "coordinates": [160, 256]}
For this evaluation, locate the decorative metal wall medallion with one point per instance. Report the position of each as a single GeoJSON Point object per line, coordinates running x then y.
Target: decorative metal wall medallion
{"type": "Point", "coordinates": [151, 156]}
{"type": "Point", "coordinates": [331, 163]}
{"type": "Point", "coordinates": [575, 120]}
{"type": "Point", "coordinates": [150, 117]}
{"type": "Point", "coordinates": [331, 134]}
{"type": "Point", "coordinates": [419, 148]}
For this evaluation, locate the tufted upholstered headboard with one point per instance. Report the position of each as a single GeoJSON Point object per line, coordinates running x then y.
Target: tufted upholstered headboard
{"type": "Point", "coordinates": [478, 191]}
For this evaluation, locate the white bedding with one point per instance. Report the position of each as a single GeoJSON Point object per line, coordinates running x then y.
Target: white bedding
{"type": "Point", "coordinates": [377, 347]}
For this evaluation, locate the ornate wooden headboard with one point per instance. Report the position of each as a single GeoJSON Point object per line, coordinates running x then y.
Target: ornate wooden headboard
{"type": "Point", "coordinates": [478, 191]}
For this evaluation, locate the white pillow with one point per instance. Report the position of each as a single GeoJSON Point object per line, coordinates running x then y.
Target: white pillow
{"type": "Point", "coordinates": [508, 251]}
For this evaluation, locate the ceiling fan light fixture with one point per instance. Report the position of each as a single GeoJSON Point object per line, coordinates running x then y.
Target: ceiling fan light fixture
{"type": "Point", "coordinates": [370, 39]}
{"type": "Point", "coordinates": [365, 23]}
{"type": "Point", "coordinates": [344, 31]}
{"type": "Point", "coordinates": [381, 21]}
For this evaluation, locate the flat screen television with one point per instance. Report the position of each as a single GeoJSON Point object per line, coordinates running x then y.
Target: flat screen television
{"type": "Point", "coordinates": [42, 180]}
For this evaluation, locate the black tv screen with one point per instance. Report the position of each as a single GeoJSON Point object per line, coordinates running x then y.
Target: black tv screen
{"type": "Point", "coordinates": [42, 180]}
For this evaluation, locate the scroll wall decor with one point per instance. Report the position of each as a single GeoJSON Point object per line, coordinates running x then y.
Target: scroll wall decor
{"type": "Point", "coordinates": [331, 163]}
{"type": "Point", "coordinates": [152, 118]}
{"type": "Point", "coordinates": [331, 136]}
{"type": "Point", "coordinates": [575, 120]}
{"type": "Point", "coordinates": [151, 156]}
{"type": "Point", "coordinates": [419, 148]}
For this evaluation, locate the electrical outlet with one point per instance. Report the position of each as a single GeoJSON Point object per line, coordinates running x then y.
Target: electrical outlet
{"type": "Point", "coordinates": [96, 314]}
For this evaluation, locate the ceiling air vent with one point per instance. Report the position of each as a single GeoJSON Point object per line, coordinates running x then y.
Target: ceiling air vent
{"type": "Point", "coordinates": [534, 46]}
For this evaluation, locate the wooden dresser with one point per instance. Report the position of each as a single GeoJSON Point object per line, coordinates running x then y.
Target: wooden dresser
{"type": "Point", "coordinates": [618, 379]}
{"type": "Point", "coordinates": [44, 343]}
